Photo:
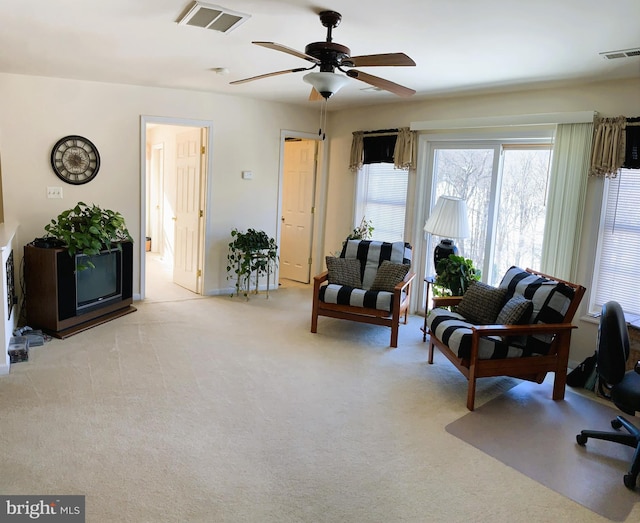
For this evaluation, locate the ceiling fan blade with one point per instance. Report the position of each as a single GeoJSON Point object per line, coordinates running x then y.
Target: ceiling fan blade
{"type": "Point", "coordinates": [315, 96]}
{"type": "Point", "coordinates": [288, 50]}
{"type": "Point", "coordinates": [376, 81]}
{"type": "Point", "coordinates": [267, 75]}
{"type": "Point", "coordinates": [373, 60]}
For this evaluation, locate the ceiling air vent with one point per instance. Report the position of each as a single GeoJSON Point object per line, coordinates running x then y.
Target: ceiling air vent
{"type": "Point", "coordinates": [623, 53]}
{"type": "Point", "coordinates": [209, 16]}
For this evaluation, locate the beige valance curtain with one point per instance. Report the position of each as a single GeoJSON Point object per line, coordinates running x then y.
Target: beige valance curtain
{"type": "Point", "coordinates": [607, 155]}
{"type": "Point", "coordinates": [357, 151]}
{"type": "Point", "coordinates": [404, 152]}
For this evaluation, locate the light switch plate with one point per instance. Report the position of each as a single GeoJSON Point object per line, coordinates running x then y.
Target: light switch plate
{"type": "Point", "coordinates": [247, 175]}
{"type": "Point", "coordinates": [54, 192]}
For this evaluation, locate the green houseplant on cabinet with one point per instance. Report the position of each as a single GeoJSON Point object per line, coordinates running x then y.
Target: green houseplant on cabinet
{"type": "Point", "coordinates": [251, 253]}
{"type": "Point", "coordinates": [89, 229]}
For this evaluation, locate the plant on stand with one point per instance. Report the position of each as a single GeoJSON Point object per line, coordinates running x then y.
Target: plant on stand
{"type": "Point", "coordinates": [454, 274]}
{"type": "Point", "coordinates": [89, 229]}
{"type": "Point", "coordinates": [251, 253]}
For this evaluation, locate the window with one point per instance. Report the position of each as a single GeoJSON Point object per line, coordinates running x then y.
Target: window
{"type": "Point", "coordinates": [616, 276]}
{"type": "Point", "coordinates": [382, 199]}
{"type": "Point", "coordinates": [505, 186]}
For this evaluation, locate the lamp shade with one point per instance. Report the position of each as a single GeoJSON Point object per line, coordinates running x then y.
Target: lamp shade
{"type": "Point", "coordinates": [326, 83]}
{"type": "Point", "coordinates": [449, 218]}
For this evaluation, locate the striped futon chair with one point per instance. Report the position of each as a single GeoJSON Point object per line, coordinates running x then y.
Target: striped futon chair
{"type": "Point", "coordinates": [370, 282]}
{"type": "Point", "coordinates": [521, 329]}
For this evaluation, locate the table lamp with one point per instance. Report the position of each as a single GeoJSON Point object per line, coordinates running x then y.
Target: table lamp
{"type": "Point", "coordinates": [449, 221]}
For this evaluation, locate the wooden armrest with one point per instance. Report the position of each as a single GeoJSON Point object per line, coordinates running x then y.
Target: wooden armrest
{"type": "Point", "coordinates": [323, 276]}
{"type": "Point", "coordinates": [318, 281]}
{"type": "Point", "coordinates": [446, 301]}
{"type": "Point", "coordinates": [521, 330]}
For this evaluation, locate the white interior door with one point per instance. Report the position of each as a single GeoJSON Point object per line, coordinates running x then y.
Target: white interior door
{"type": "Point", "coordinates": [186, 270]}
{"type": "Point", "coordinates": [297, 209]}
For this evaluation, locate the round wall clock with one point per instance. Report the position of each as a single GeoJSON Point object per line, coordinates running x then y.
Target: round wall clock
{"type": "Point", "coordinates": [75, 160]}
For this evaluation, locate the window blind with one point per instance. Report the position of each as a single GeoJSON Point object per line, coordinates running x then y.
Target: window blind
{"type": "Point", "coordinates": [617, 272]}
{"type": "Point", "coordinates": [382, 199]}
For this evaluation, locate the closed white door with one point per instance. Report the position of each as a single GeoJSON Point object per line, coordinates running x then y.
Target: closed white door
{"type": "Point", "coordinates": [186, 270]}
{"type": "Point", "coordinates": [297, 209]}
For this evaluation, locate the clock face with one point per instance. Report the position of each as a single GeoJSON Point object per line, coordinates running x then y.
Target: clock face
{"type": "Point", "coordinates": [75, 160]}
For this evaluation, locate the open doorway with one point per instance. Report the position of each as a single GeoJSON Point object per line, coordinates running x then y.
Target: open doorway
{"type": "Point", "coordinates": [299, 178]}
{"type": "Point", "coordinates": [175, 171]}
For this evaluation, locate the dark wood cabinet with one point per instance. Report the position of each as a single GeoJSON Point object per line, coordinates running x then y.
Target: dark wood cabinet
{"type": "Point", "coordinates": [50, 292]}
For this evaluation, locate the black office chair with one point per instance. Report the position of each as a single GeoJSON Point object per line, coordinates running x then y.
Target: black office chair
{"type": "Point", "coordinates": [622, 387]}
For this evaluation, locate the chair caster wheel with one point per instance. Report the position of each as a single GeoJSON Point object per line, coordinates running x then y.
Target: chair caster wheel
{"type": "Point", "coordinates": [630, 481]}
{"type": "Point", "coordinates": [616, 424]}
{"type": "Point", "coordinates": [581, 439]}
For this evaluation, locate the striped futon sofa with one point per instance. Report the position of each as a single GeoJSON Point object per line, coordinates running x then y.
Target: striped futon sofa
{"type": "Point", "coordinates": [522, 329]}
{"type": "Point", "coordinates": [370, 283]}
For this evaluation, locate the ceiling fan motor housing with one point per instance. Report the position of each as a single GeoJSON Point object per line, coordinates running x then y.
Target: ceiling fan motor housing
{"type": "Point", "coordinates": [329, 54]}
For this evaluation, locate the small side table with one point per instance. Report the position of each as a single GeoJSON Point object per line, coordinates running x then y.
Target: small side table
{"type": "Point", "coordinates": [429, 280]}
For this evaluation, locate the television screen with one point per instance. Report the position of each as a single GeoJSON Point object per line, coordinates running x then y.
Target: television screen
{"type": "Point", "coordinates": [95, 285]}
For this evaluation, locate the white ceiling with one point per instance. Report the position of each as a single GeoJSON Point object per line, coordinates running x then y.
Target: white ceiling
{"type": "Point", "coordinates": [458, 45]}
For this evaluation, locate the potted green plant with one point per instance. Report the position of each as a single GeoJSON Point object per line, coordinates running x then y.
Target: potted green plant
{"type": "Point", "coordinates": [250, 252]}
{"type": "Point", "coordinates": [453, 276]}
{"type": "Point", "coordinates": [89, 229]}
{"type": "Point", "coordinates": [362, 231]}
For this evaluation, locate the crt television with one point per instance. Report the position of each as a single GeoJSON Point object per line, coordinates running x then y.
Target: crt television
{"type": "Point", "coordinates": [99, 285]}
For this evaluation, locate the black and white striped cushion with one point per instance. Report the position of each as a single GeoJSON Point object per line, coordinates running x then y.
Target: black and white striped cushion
{"type": "Point", "coordinates": [343, 295]}
{"type": "Point", "coordinates": [551, 300]}
{"type": "Point", "coordinates": [372, 253]}
{"type": "Point", "coordinates": [452, 329]}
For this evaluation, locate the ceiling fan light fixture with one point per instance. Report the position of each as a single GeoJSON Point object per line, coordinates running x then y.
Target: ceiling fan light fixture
{"type": "Point", "coordinates": [325, 83]}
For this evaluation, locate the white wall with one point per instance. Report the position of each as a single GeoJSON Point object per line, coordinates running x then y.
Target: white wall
{"type": "Point", "coordinates": [35, 112]}
{"type": "Point", "coordinates": [608, 98]}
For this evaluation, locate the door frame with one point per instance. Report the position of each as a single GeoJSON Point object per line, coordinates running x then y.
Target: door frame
{"type": "Point", "coordinates": [155, 229]}
{"type": "Point", "coordinates": [205, 189]}
{"type": "Point", "coordinates": [320, 196]}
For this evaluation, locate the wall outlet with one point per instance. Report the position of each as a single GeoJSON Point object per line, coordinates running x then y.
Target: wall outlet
{"type": "Point", "coordinates": [247, 175]}
{"type": "Point", "coordinates": [54, 192]}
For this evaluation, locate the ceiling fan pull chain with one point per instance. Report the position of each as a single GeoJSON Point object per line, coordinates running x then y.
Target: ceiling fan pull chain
{"type": "Point", "coordinates": [323, 119]}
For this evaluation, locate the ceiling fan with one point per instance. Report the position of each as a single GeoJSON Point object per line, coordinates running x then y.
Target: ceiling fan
{"type": "Point", "coordinates": [329, 56]}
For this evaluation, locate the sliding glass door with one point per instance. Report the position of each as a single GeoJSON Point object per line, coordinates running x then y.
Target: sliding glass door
{"type": "Point", "coordinates": [505, 186]}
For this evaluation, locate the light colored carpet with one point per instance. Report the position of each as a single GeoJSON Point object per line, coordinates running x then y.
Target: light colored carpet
{"type": "Point", "coordinates": [528, 431]}
{"type": "Point", "coordinates": [222, 410]}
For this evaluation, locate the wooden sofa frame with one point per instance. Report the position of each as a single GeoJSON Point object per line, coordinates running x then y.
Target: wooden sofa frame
{"type": "Point", "coordinates": [364, 314]}
{"type": "Point", "coordinates": [531, 368]}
